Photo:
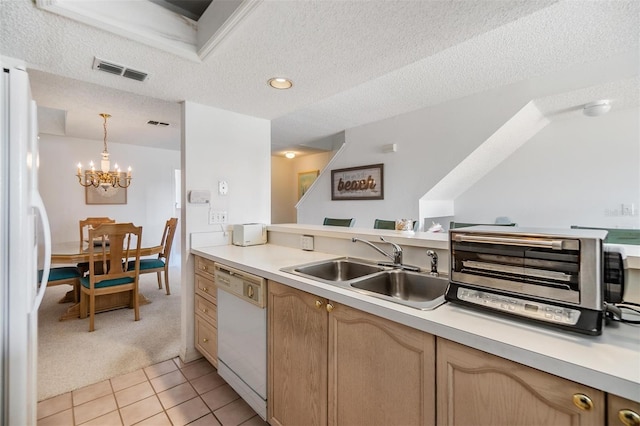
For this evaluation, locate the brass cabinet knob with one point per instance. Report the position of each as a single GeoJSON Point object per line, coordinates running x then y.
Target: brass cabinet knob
{"type": "Point", "coordinates": [205, 340]}
{"type": "Point", "coordinates": [582, 401]}
{"type": "Point", "coordinates": [205, 310]}
{"type": "Point", "coordinates": [329, 307]}
{"type": "Point", "coordinates": [318, 304]}
{"type": "Point", "coordinates": [205, 289]}
{"type": "Point", "coordinates": [629, 417]}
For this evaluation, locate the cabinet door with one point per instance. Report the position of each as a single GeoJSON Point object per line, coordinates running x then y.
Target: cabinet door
{"type": "Point", "coordinates": [380, 372]}
{"type": "Point", "coordinates": [622, 412]}
{"type": "Point", "coordinates": [297, 345]}
{"type": "Point", "coordinates": [476, 388]}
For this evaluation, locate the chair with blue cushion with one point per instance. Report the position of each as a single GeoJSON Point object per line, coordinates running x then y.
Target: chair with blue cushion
{"type": "Point", "coordinates": [109, 270]}
{"type": "Point", "coordinates": [161, 263]}
{"type": "Point", "coordinates": [64, 275]}
{"type": "Point", "coordinates": [339, 222]}
{"type": "Point", "coordinates": [384, 224]}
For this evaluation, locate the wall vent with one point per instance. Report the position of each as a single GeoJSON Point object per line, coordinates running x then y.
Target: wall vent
{"type": "Point", "coordinates": [111, 68]}
{"type": "Point", "coordinates": [157, 123]}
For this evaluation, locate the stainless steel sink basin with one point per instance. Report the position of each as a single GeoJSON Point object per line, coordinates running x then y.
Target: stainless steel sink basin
{"type": "Point", "coordinates": [415, 289]}
{"type": "Point", "coordinates": [418, 290]}
{"type": "Point", "coordinates": [335, 270]}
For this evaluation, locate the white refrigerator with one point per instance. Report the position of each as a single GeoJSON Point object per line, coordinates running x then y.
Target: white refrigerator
{"type": "Point", "coordinates": [25, 247]}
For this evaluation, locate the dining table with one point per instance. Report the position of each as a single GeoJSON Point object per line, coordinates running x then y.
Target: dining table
{"type": "Point", "coordinates": [72, 253]}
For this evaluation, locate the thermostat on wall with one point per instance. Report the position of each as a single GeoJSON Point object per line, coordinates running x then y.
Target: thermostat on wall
{"type": "Point", "coordinates": [199, 196]}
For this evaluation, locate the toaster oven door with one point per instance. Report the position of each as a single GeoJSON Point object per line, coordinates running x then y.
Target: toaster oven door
{"type": "Point", "coordinates": [544, 268]}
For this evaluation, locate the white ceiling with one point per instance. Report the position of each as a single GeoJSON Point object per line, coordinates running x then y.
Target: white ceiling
{"type": "Point", "coordinates": [352, 62]}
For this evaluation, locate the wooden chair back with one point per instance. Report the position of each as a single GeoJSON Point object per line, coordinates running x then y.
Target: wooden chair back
{"type": "Point", "coordinates": [114, 266]}
{"type": "Point", "coordinates": [167, 239]}
{"type": "Point", "coordinates": [91, 222]}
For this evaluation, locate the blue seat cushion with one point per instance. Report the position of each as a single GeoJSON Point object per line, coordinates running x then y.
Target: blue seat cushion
{"type": "Point", "coordinates": [62, 273]}
{"type": "Point", "coordinates": [147, 264]}
{"type": "Point", "coordinates": [106, 283]}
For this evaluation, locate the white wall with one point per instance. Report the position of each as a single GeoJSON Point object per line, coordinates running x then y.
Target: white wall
{"type": "Point", "coordinates": [150, 198]}
{"type": "Point", "coordinates": [569, 173]}
{"type": "Point", "coordinates": [566, 175]}
{"type": "Point", "coordinates": [220, 145]}
{"type": "Point", "coordinates": [430, 143]}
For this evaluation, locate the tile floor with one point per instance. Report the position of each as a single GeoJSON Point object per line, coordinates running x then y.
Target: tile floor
{"type": "Point", "coordinates": [168, 393]}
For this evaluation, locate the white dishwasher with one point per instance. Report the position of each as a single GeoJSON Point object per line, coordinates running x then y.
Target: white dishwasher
{"type": "Point", "coordinates": [242, 334]}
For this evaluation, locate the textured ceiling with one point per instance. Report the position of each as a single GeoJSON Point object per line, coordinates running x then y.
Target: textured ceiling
{"type": "Point", "coordinates": [352, 62]}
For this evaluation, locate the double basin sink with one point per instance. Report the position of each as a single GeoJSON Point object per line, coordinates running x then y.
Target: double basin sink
{"type": "Point", "coordinates": [415, 289]}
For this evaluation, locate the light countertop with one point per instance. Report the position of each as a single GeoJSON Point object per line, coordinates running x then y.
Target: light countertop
{"type": "Point", "coordinates": [610, 362]}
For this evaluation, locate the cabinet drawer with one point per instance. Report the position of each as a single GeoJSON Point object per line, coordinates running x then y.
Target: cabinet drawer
{"type": "Point", "coordinates": [206, 288]}
{"type": "Point", "coordinates": [207, 340]}
{"type": "Point", "coordinates": [204, 267]}
{"type": "Point", "coordinates": [207, 310]}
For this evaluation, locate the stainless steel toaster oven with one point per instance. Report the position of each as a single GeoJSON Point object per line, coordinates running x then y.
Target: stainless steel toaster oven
{"type": "Point", "coordinates": [548, 276]}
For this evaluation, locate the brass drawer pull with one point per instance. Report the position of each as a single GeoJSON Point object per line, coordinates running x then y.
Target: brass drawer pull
{"type": "Point", "coordinates": [582, 401]}
{"type": "Point", "coordinates": [329, 307]}
{"type": "Point", "coordinates": [629, 417]}
{"type": "Point", "coordinates": [205, 340]}
{"type": "Point", "coordinates": [318, 304]}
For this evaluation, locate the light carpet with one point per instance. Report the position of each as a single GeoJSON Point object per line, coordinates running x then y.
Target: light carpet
{"type": "Point", "coordinates": [70, 357]}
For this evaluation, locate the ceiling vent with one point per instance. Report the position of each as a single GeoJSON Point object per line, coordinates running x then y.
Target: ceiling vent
{"type": "Point", "coordinates": [111, 68]}
{"type": "Point", "coordinates": [157, 123]}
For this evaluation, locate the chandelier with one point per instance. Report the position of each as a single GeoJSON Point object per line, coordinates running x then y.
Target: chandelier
{"type": "Point", "coordinates": [104, 178]}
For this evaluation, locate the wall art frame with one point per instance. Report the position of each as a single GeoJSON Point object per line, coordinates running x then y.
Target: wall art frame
{"type": "Point", "coordinates": [98, 195]}
{"type": "Point", "coordinates": [305, 180]}
{"type": "Point", "coordinates": [358, 183]}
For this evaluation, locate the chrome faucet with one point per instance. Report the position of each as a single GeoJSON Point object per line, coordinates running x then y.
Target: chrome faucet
{"type": "Point", "coordinates": [396, 257]}
{"type": "Point", "coordinates": [434, 262]}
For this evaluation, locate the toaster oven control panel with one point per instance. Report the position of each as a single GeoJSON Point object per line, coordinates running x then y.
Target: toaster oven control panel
{"type": "Point", "coordinates": [526, 308]}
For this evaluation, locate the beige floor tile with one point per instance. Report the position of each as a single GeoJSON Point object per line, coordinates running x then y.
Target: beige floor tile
{"type": "Point", "coordinates": [255, 421]}
{"type": "Point", "coordinates": [63, 418]}
{"type": "Point", "coordinates": [234, 413]}
{"type": "Point", "coordinates": [160, 368]}
{"type": "Point", "coordinates": [127, 380]}
{"type": "Point", "coordinates": [196, 369]}
{"type": "Point", "coordinates": [207, 382]}
{"type": "Point", "coordinates": [109, 419]}
{"type": "Point", "coordinates": [91, 392]}
{"type": "Point", "coordinates": [177, 395]}
{"type": "Point", "coordinates": [95, 408]}
{"type": "Point", "coordinates": [159, 419]}
{"type": "Point", "coordinates": [140, 410]}
{"type": "Point", "coordinates": [167, 381]}
{"type": "Point", "coordinates": [54, 405]}
{"type": "Point", "coordinates": [219, 397]}
{"type": "Point", "coordinates": [208, 420]}
{"type": "Point", "coordinates": [134, 393]}
{"type": "Point", "coordinates": [187, 412]}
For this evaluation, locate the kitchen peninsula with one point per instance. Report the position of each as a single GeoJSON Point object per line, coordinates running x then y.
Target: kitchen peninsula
{"type": "Point", "coordinates": [608, 363]}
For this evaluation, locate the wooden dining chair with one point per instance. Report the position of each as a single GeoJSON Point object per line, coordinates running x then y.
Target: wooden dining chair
{"type": "Point", "coordinates": [109, 270]}
{"type": "Point", "coordinates": [338, 222]}
{"type": "Point", "coordinates": [161, 263]}
{"type": "Point", "coordinates": [85, 226]}
{"type": "Point", "coordinates": [64, 275]}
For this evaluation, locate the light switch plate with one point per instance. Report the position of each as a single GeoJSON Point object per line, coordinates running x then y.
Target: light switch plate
{"type": "Point", "coordinates": [306, 242]}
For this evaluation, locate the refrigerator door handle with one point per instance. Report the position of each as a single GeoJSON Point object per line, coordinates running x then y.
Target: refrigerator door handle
{"type": "Point", "coordinates": [38, 204]}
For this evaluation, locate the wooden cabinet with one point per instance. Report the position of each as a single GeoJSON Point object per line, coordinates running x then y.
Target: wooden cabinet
{"type": "Point", "coordinates": [206, 310]}
{"type": "Point", "coordinates": [332, 364]}
{"type": "Point", "coordinates": [482, 389]}
{"type": "Point", "coordinates": [622, 412]}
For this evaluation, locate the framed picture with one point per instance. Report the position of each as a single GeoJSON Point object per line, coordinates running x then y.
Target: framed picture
{"type": "Point", "coordinates": [100, 195]}
{"type": "Point", "coordinates": [358, 183]}
{"type": "Point", "coordinates": [305, 179]}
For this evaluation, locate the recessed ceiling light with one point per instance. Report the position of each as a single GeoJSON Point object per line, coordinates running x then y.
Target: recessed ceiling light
{"type": "Point", "coordinates": [290, 154]}
{"type": "Point", "coordinates": [280, 83]}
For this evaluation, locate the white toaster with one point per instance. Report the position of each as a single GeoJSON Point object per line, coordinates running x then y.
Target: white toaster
{"type": "Point", "coordinates": [249, 234]}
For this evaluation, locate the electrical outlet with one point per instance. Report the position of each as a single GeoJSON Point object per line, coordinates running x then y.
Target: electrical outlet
{"type": "Point", "coordinates": [217, 216]}
{"type": "Point", "coordinates": [306, 242]}
{"type": "Point", "coordinates": [223, 217]}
